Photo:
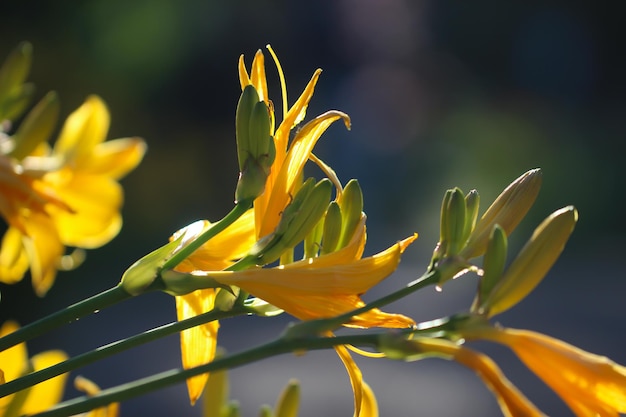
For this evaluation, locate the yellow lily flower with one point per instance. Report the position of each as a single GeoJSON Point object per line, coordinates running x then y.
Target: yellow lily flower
{"type": "Point", "coordinates": [68, 196]}
{"type": "Point", "coordinates": [14, 362]}
{"type": "Point", "coordinates": [591, 385]}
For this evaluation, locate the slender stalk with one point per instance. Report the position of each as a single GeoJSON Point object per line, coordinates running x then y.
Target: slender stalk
{"type": "Point", "coordinates": [164, 379]}
{"type": "Point", "coordinates": [113, 348]}
{"type": "Point", "coordinates": [237, 211]}
{"type": "Point", "coordinates": [67, 315]}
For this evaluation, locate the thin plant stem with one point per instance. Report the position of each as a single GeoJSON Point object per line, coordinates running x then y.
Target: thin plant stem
{"type": "Point", "coordinates": [113, 348]}
{"type": "Point", "coordinates": [67, 315]}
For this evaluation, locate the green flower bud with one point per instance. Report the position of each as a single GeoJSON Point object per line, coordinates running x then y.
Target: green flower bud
{"type": "Point", "coordinates": [472, 202]}
{"type": "Point", "coordinates": [289, 400]}
{"type": "Point", "coordinates": [233, 409]}
{"type": "Point", "coordinates": [255, 145]}
{"type": "Point", "coordinates": [266, 411]}
{"type": "Point", "coordinates": [14, 94]}
{"type": "Point", "coordinates": [532, 263]}
{"type": "Point", "coordinates": [351, 204]}
{"type": "Point", "coordinates": [297, 220]}
{"type": "Point", "coordinates": [332, 228]}
{"type": "Point", "coordinates": [36, 127]}
{"type": "Point", "coordinates": [507, 210]}
{"type": "Point", "coordinates": [493, 264]}
{"type": "Point", "coordinates": [262, 308]}
{"type": "Point", "coordinates": [455, 222]}
{"type": "Point", "coordinates": [313, 241]}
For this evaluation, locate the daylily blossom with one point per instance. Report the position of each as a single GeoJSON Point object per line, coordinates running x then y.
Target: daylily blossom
{"type": "Point", "coordinates": [67, 196]}
{"type": "Point", "coordinates": [319, 287]}
{"type": "Point", "coordinates": [589, 384]}
{"type": "Point", "coordinates": [14, 362]}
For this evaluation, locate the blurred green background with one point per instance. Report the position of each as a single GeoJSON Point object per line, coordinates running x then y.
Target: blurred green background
{"type": "Point", "coordinates": [441, 94]}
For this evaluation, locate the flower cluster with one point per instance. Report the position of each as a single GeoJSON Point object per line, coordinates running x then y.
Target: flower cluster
{"type": "Point", "coordinates": [290, 245]}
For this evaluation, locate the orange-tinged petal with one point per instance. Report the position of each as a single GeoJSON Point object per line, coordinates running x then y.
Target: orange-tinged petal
{"type": "Point", "coordinates": [45, 394]}
{"type": "Point", "coordinates": [292, 167]}
{"type": "Point", "coordinates": [356, 377]}
{"type": "Point", "coordinates": [95, 202]}
{"type": "Point", "coordinates": [220, 251]}
{"type": "Point", "coordinates": [83, 130]}
{"type": "Point", "coordinates": [589, 384]}
{"type": "Point", "coordinates": [198, 343]}
{"type": "Point", "coordinates": [115, 158]}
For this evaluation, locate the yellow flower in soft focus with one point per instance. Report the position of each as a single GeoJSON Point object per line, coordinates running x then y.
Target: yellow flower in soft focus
{"type": "Point", "coordinates": [591, 385]}
{"type": "Point", "coordinates": [90, 388]}
{"type": "Point", "coordinates": [14, 362]}
{"type": "Point", "coordinates": [67, 196]}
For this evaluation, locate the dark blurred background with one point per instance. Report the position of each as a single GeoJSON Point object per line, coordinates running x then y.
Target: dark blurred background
{"type": "Point", "coordinates": [441, 94]}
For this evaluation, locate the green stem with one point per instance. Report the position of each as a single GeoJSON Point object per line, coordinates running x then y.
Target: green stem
{"type": "Point", "coordinates": [237, 211]}
{"type": "Point", "coordinates": [68, 314]}
{"type": "Point", "coordinates": [164, 379]}
{"type": "Point", "coordinates": [113, 348]}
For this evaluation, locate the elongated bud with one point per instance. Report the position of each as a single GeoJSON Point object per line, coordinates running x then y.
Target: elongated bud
{"type": "Point", "coordinates": [289, 401]}
{"type": "Point", "coordinates": [351, 204]}
{"type": "Point", "coordinates": [507, 210]}
{"type": "Point", "coordinates": [255, 145]}
{"type": "Point", "coordinates": [266, 411]}
{"type": "Point", "coordinates": [216, 393]}
{"type": "Point", "coordinates": [14, 94]}
{"type": "Point", "coordinates": [141, 275]}
{"type": "Point", "coordinates": [36, 127]}
{"type": "Point", "coordinates": [332, 228]}
{"type": "Point", "coordinates": [455, 222]}
{"type": "Point", "coordinates": [472, 203]}
{"type": "Point", "coordinates": [532, 263]}
{"type": "Point", "coordinates": [297, 220]}
{"type": "Point", "coordinates": [313, 241]}
{"type": "Point", "coordinates": [493, 264]}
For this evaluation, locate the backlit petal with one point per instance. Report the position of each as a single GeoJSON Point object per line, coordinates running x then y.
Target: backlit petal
{"type": "Point", "coordinates": [198, 343]}
{"type": "Point", "coordinates": [45, 394]}
{"type": "Point", "coordinates": [115, 158]}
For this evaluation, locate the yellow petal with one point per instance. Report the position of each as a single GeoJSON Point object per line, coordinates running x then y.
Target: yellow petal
{"type": "Point", "coordinates": [45, 394]}
{"type": "Point", "coordinates": [369, 406]}
{"type": "Point", "coordinates": [291, 169]}
{"type": "Point", "coordinates": [115, 158]}
{"type": "Point", "coordinates": [95, 202]}
{"type": "Point", "coordinates": [44, 249]}
{"type": "Point", "coordinates": [590, 384]}
{"type": "Point", "coordinates": [13, 361]}
{"type": "Point", "coordinates": [13, 258]}
{"type": "Point", "coordinates": [83, 130]}
{"type": "Point", "coordinates": [220, 251]}
{"type": "Point", "coordinates": [257, 76]}
{"type": "Point", "coordinates": [356, 378]}
{"type": "Point", "coordinates": [198, 343]}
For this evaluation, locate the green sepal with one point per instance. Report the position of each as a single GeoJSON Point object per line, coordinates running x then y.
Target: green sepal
{"type": "Point", "coordinates": [36, 127]}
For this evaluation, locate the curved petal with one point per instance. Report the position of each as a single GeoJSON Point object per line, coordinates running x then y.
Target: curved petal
{"type": "Point", "coordinates": [291, 169]}
{"type": "Point", "coordinates": [45, 394]}
{"type": "Point", "coordinates": [220, 251]}
{"type": "Point", "coordinates": [197, 344]}
{"type": "Point", "coordinates": [44, 249]}
{"type": "Point", "coordinates": [369, 406]}
{"type": "Point", "coordinates": [95, 202]}
{"type": "Point", "coordinates": [12, 360]}
{"type": "Point", "coordinates": [83, 130]}
{"type": "Point", "coordinates": [356, 377]}
{"type": "Point", "coordinates": [115, 158]}
{"type": "Point", "coordinates": [13, 257]}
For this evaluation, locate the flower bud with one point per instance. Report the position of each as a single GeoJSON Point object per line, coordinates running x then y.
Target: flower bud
{"type": "Point", "coordinates": [289, 400]}
{"type": "Point", "coordinates": [255, 145]}
{"type": "Point", "coordinates": [507, 210]}
{"type": "Point", "coordinates": [36, 127]}
{"type": "Point", "coordinates": [297, 220]}
{"type": "Point", "coordinates": [472, 202]}
{"type": "Point", "coordinates": [493, 264]}
{"type": "Point", "coordinates": [351, 204]}
{"type": "Point", "coordinates": [532, 263]}
{"type": "Point", "coordinates": [332, 228]}
{"type": "Point", "coordinates": [14, 94]}
{"type": "Point", "coordinates": [455, 224]}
